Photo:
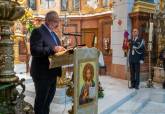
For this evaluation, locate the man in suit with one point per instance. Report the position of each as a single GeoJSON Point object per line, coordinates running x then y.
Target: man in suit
{"type": "Point", "coordinates": [43, 43]}
{"type": "Point", "coordinates": [136, 56]}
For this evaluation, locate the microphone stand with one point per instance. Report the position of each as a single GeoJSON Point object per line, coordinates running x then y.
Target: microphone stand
{"type": "Point", "coordinates": [75, 37]}
{"type": "Point", "coordinates": [76, 34]}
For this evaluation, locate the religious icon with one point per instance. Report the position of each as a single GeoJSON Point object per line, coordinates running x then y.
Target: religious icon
{"type": "Point", "coordinates": [87, 89]}
{"type": "Point", "coordinates": [18, 27]}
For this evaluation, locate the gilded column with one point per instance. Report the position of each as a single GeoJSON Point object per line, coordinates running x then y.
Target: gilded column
{"type": "Point", "coordinates": [16, 38]}
{"type": "Point", "coordinates": [18, 34]}
{"type": "Point", "coordinates": [16, 50]}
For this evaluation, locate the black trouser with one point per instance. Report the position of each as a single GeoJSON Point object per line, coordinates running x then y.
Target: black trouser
{"type": "Point", "coordinates": [163, 85]}
{"type": "Point", "coordinates": [45, 91]}
{"type": "Point", "coordinates": [135, 74]}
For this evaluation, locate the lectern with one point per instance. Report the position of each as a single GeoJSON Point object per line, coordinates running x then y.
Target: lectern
{"type": "Point", "coordinates": [85, 78]}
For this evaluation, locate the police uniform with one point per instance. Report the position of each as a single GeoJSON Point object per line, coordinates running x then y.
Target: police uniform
{"type": "Point", "coordinates": [135, 56]}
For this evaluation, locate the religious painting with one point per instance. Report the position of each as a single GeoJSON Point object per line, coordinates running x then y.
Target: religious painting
{"type": "Point", "coordinates": [87, 83]}
{"type": "Point", "coordinates": [18, 27]}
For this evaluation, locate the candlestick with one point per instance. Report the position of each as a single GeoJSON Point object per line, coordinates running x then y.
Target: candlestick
{"type": "Point", "coordinates": [65, 20]}
{"type": "Point", "coordinates": [150, 31]}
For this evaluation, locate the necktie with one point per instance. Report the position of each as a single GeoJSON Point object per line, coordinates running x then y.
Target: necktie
{"type": "Point", "coordinates": [54, 38]}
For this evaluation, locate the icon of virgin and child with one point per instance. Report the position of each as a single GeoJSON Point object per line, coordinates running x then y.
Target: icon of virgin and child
{"type": "Point", "coordinates": [87, 91]}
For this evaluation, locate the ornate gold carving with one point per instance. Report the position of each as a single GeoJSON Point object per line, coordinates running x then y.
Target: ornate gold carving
{"type": "Point", "coordinates": [27, 16]}
{"type": "Point", "coordinates": [10, 101]}
{"type": "Point", "coordinates": [141, 6]}
{"type": "Point", "coordinates": [87, 9]}
{"type": "Point", "coordinates": [6, 59]}
{"type": "Point", "coordinates": [161, 5]}
{"type": "Point", "coordinates": [20, 1]}
{"type": "Point", "coordinates": [9, 11]}
{"type": "Point", "coordinates": [2, 61]}
{"type": "Point", "coordinates": [99, 10]}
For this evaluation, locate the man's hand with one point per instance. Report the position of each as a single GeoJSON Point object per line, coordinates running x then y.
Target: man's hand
{"type": "Point", "coordinates": [141, 61]}
{"type": "Point", "coordinates": [59, 49]}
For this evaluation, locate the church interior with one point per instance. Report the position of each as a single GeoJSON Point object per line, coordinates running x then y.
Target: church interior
{"type": "Point", "coordinates": [100, 24]}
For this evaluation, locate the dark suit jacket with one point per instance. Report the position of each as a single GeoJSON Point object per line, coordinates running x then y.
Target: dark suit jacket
{"type": "Point", "coordinates": [138, 53]}
{"type": "Point", "coordinates": [41, 47]}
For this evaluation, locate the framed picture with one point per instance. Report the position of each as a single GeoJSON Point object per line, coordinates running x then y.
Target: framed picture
{"type": "Point", "coordinates": [87, 83]}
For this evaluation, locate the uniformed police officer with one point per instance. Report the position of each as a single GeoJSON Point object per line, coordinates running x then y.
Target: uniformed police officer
{"type": "Point", "coordinates": [136, 57]}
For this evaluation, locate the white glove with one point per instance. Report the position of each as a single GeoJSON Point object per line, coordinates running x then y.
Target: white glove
{"type": "Point", "coordinates": [141, 61]}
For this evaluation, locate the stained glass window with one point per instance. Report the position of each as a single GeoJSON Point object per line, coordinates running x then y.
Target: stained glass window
{"type": "Point", "coordinates": [47, 4]}
{"type": "Point", "coordinates": [76, 5]}
{"type": "Point", "coordinates": [32, 4]}
{"type": "Point", "coordinates": [64, 5]}
{"type": "Point", "coordinates": [105, 3]}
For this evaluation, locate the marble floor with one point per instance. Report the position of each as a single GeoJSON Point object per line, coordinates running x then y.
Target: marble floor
{"type": "Point", "coordinates": [118, 99]}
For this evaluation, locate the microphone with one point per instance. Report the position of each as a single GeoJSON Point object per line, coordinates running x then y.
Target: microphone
{"type": "Point", "coordinates": [71, 34]}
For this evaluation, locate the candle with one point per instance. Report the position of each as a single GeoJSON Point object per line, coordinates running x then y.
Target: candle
{"type": "Point", "coordinates": [150, 31]}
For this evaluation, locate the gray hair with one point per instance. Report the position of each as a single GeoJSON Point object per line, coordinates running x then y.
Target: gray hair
{"type": "Point", "coordinates": [51, 16]}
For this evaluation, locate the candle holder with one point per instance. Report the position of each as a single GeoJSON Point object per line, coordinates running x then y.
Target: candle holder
{"type": "Point", "coordinates": [11, 101]}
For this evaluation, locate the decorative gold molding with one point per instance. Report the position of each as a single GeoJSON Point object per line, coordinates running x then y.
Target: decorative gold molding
{"type": "Point", "coordinates": [99, 10]}
{"type": "Point", "coordinates": [21, 1]}
{"type": "Point", "coordinates": [87, 9]}
{"type": "Point", "coordinates": [161, 5]}
{"type": "Point", "coordinates": [141, 6]}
